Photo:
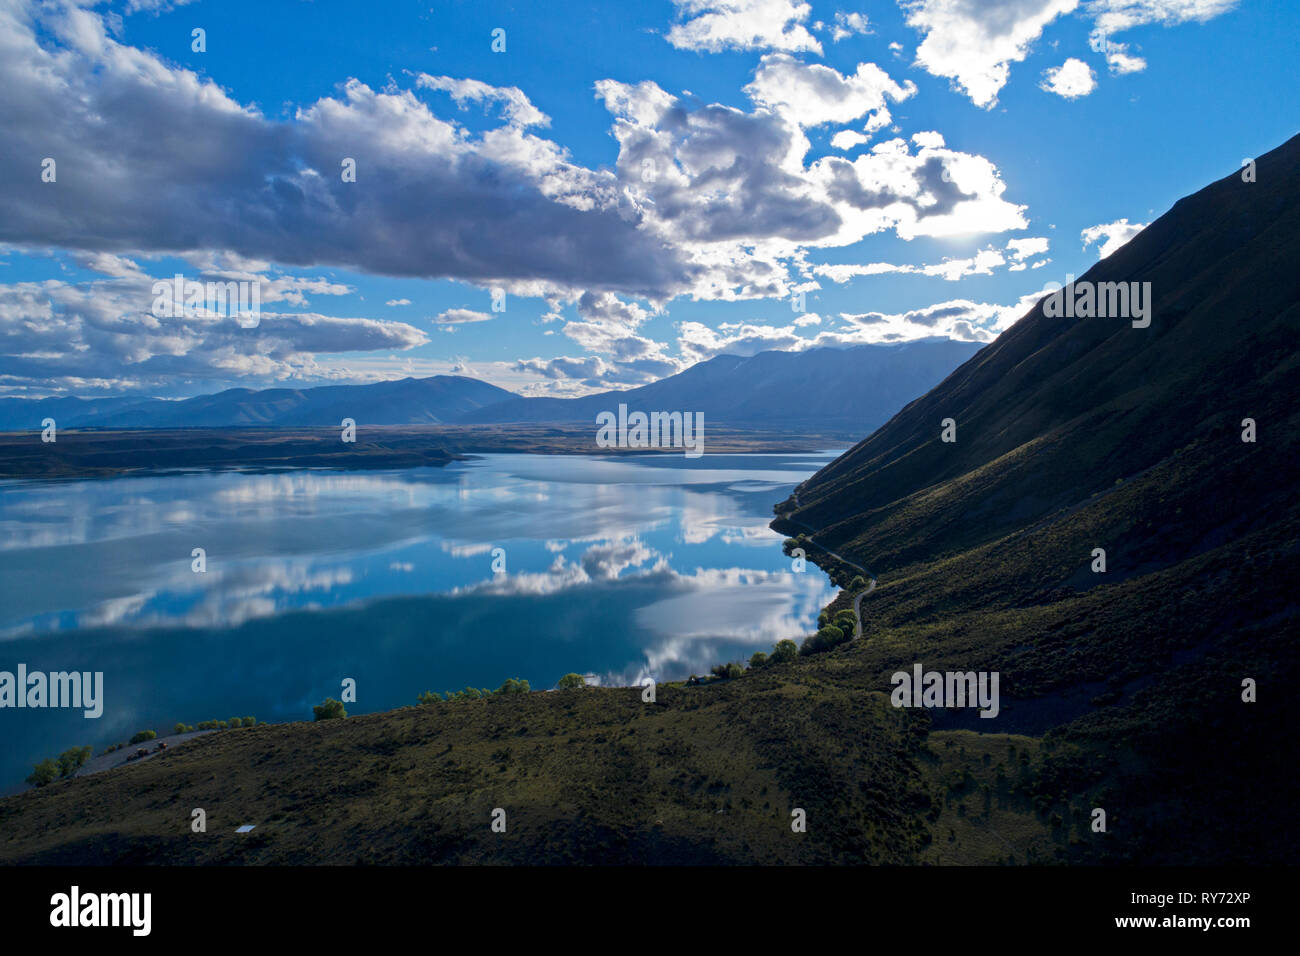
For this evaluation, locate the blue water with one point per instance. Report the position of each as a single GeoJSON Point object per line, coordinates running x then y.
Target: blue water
{"type": "Point", "coordinates": [618, 567]}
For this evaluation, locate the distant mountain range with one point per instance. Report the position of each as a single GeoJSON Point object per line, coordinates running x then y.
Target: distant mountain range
{"type": "Point", "coordinates": [855, 389]}
{"type": "Point", "coordinates": [1115, 528]}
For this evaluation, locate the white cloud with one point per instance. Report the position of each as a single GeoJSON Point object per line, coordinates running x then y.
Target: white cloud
{"type": "Point", "coordinates": [716, 25]}
{"type": "Point", "coordinates": [847, 24]}
{"type": "Point", "coordinates": [102, 335]}
{"type": "Point", "coordinates": [1115, 233]}
{"type": "Point", "coordinates": [1022, 249]}
{"type": "Point", "coordinates": [1121, 62]}
{"type": "Point", "coordinates": [461, 317]}
{"type": "Point", "coordinates": [1071, 80]}
{"type": "Point", "coordinates": [515, 106]}
{"type": "Point", "coordinates": [398, 302]}
{"type": "Point", "coordinates": [1114, 16]}
{"type": "Point", "coordinates": [973, 42]}
{"type": "Point", "coordinates": [271, 188]}
{"type": "Point", "coordinates": [812, 94]}
{"type": "Point", "coordinates": [847, 139]}
{"type": "Point", "coordinates": [983, 262]}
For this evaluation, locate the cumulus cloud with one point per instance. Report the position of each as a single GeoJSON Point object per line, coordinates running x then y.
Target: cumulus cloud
{"type": "Point", "coordinates": [515, 106]}
{"type": "Point", "coordinates": [430, 199]}
{"type": "Point", "coordinates": [461, 316]}
{"type": "Point", "coordinates": [952, 268]}
{"type": "Point", "coordinates": [847, 24]}
{"type": "Point", "coordinates": [733, 188]}
{"type": "Point", "coordinates": [705, 200]}
{"type": "Point", "coordinates": [847, 139]}
{"type": "Point", "coordinates": [960, 319]}
{"type": "Point", "coordinates": [974, 42]}
{"type": "Point", "coordinates": [1071, 80]}
{"type": "Point", "coordinates": [1024, 248]}
{"type": "Point", "coordinates": [103, 335]}
{"type": "Point", "coordinates": [716, 25]}
{"type": "Point", "coordinates": [1115, 235]}
{"type": "Point", "coordinates": [1114, 16]}
{"type": "Point", "coordinates": [812, 94]}
{"type": "Point", "coordinates": [1120, 61]}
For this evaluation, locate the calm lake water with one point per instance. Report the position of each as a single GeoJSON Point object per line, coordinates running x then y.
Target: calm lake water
{"type": "Point", "coordinates": [619, 567]}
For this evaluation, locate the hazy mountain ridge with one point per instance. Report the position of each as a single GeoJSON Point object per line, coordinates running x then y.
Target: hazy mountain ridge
{"type": "Point", "coordinates": [855, 388]}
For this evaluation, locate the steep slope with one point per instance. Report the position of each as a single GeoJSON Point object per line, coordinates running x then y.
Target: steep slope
{"type": "Point", "coordinates": [856, 388]}
{"type": "Point", "coordinates": [1081, 434]}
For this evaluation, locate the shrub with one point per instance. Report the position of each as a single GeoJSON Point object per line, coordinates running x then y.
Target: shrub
{"type": "Point", "coordinates": [236, 721]}
{"type": "Point", "coordinates": [514, 685]}
{"type": "Point", "coordinates": [858, 583]}
{"type": "Point", "coordinates": [250, 721]}
{"type": "Point", "coordinates": [759, 659]}
{"type": "Point", "coordinates": [178, 729]}
{"type": "Point", "coordinates": [71, 760]}
{"type": "Point", "coordinates": [571, 682]}
{"type": "Point", "coordinates": [429, 697]}
{"type": "Point", "coordinates": [330, 709]}
{"type": "Point", "coordinates": [825, 639]}
{"type": "Point", "coordinates": [784, 651]}
{"type": "Point", "coordinates": [846, 621]}
{"type": "Point", "coordinates": [142, 736]}
{"type": "Point", "coordinates": [47, 771]}
{"type": "Point", "coordinates": [727, 671]}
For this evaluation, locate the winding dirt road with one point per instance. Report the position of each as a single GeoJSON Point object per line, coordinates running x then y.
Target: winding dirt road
{"type": "Point", "coordinates": [857, 601]}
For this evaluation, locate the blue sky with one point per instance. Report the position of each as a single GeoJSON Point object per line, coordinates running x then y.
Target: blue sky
{"type": "Point", "coordinates": [650, 184]}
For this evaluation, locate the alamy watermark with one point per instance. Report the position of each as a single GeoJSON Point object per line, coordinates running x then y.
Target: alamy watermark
{"type": "Point", "coordinates": [946, 689]}
{"type": "Point", "coordinates": [655, 430]}
{"type": "Point", "coordinates": [77, 689]}
{"type": "Point", "coordinates": [76, 909]}
{"type": "Point", "coordinates": [188, 298]}
{"type": "Point", "coordinates": [1099, 300]}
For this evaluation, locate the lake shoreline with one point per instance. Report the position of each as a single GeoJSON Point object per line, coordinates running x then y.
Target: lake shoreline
{"type": "Point", "coordinates": [91, 453]}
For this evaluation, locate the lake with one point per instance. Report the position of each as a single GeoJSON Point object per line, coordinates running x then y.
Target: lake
{"type": "Point", "coordinates": [620, 567]}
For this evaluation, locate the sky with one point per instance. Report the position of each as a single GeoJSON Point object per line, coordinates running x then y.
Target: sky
{"type": "Point", "coordinates": [561, 198]}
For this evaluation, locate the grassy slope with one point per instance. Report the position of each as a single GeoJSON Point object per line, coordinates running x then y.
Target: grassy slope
{"type": "Point", "coordinates": [706, 774]}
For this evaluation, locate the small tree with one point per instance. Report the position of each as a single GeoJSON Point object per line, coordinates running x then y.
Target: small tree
{"type": "Point", "coordinates": [71, 760]}
{"type": "Point", "coordinates": [236, 721]}
{"type": "Point", "coordinates": [178, 729]}
{"type": "Point", "coordinates": [858, 583]}
{"type": "Point", "coordinates": [784, 651]}
{"type": "Point", "coordinates": [331, 709]}
{"type": "Point", "coordinates": [143, 735]}
{"type": "Point", "coordinates": [571, 682]}
{"type": "Point", "coordinates": [759, 659]}
{"type": "Point", "coordinates": [250, 721]}
{"type": "Point", "coordinates": [430, 697]}
{"type": "Point", "coordinates": [43, 773]}
{"type": "Point", "coordinates": [514, 685]}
